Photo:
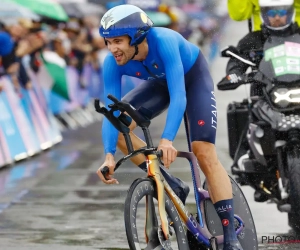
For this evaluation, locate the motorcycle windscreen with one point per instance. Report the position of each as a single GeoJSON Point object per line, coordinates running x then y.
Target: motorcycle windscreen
{"type": "Point", "coordinates": [281, 62]}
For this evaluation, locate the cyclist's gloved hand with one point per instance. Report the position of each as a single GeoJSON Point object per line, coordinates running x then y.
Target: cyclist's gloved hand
{"type": "Point", "coordinates": [169, 152]}
{"type": "Point", "coordinates": [110, 163]}
{"type": "Point", "coordinates": [231, 81]}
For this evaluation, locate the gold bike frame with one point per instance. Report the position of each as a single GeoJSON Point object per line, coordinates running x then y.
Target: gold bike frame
{"type": "Point", "coordinates": [200, 231]}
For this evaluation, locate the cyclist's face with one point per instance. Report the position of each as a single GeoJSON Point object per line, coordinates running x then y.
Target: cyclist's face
{"type": "Point", "coordinates": [120, 48]}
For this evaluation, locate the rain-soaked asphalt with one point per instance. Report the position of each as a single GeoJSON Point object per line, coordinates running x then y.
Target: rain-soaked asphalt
{"type": "Point", "coordinates": [55, 200]}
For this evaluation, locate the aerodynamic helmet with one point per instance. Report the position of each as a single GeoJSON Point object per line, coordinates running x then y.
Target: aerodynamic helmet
{"type": "Point", "coordinates": [128, 20]}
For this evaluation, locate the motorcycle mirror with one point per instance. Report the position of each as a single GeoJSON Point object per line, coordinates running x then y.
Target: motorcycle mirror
{"type": "Point", "coordinates": [229, 48]}
{"type": "Point", "coordinates": [231, 51]}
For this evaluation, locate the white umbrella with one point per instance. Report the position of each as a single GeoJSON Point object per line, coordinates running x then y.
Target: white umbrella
{"type": "Point", "coordinates": [11, 11]}
{"type": "Point", "coordinates": [81, 9]}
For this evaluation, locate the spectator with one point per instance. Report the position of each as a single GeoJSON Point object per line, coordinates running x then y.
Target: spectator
{"type": "Point", "coordinates": [79, 45]}
{"type": "Point", "coordinates": [6, 43]}
{"type": "Point", "coordinates": [6, 46]}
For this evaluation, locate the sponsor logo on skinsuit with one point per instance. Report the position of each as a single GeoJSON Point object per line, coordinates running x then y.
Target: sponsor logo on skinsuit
{"type": "Point", "coordinates": [201, 123]}
{"type": "Point", "coordinates": [225, 222]}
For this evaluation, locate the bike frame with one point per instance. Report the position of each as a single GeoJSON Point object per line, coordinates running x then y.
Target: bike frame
{"type": "Point", "coordinates": [199, 230]}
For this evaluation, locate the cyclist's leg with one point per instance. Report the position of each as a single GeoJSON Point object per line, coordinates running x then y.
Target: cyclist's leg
{"type": "Point", "coordinates": [202, 117]}
{"type": "Point", "coordinates": [151, 99]}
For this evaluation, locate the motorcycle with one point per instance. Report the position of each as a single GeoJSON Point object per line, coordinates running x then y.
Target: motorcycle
{"type": "Point", "coordinates": [264, 129]}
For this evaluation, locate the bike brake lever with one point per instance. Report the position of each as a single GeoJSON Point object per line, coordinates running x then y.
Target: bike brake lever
{"type": "Point", "coordinates": [98, 108]}
{"type": "Point", "coordinates": [97, 104]}
{"type": "Point", "coordinates": [104, 172]}
{"type": "Point", "coordinates": [114, 99]}
{"type": "Point", "coordinates": [159, 153]}
{"type": "Point", "coordinates": [116, 106]}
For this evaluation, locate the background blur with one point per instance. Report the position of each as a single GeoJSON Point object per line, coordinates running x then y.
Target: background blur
{"type": "Point", "coordinates": [50, 135]}
{"type": "Point", "coordinates": [54, 70]}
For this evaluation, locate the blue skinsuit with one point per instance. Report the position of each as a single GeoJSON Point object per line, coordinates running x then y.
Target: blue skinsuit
{"type": "Point", "coordinates": [178, 66]}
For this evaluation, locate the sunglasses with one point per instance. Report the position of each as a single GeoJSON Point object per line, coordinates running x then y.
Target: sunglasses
{"type": "Point", "coordinates": [273, 13]}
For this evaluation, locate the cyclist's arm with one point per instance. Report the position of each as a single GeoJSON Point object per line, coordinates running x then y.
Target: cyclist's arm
{"type": "Point", "coordinates": [240, 10]}
{"type": "Point", "coordinates": [297, 10]}
{"type": "Point", "coordinates": [168, 51]}
{"type": "Point", "coordinates": [112, 85]}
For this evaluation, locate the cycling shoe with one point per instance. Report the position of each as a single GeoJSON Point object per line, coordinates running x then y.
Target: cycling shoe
{"type": "Point", "coordinates": [232, 245]}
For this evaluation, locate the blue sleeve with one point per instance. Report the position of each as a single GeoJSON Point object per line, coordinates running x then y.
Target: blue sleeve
{"type": "Point", "coordinates": [168, 51]}
{"type": "Point", "coordinates": [112, 85]}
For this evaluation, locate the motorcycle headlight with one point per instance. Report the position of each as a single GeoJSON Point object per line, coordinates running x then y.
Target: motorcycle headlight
{"type": "Point", "coordinates": [283, 96]}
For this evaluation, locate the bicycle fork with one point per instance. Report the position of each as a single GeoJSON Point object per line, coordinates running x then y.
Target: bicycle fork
{"type": "Point", "coordinates": [154, 172]}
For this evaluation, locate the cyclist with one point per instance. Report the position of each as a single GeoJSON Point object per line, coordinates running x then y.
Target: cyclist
{"type": "Point", "coordinates": [176, 76]}
{"type": "Point", "coordinates": [242, 10]}
{"type": "Point", "coordinates": [277, 19]}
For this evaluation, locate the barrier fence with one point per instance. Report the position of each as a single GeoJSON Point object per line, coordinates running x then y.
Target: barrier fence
{"type": "Point", "coordinates": [32, 120]}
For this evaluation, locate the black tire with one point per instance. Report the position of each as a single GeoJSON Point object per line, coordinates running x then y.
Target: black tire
{"type": "Point", "coordinates": [248, 237]}
{"type": "Point", "coordinates": [146, 187]}
{"type": "Point", "coordinates": [293, 163]}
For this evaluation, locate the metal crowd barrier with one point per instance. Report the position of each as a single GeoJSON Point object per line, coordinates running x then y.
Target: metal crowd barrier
{"type": "Point", "coordinates": [33, 120]}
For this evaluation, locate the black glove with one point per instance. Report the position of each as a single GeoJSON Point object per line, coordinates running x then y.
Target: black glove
{"type": "Point", "coordinates": [231, 81]}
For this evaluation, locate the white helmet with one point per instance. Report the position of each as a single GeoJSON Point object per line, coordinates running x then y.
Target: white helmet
{"type": "Point", "coordinates": [272, 8]}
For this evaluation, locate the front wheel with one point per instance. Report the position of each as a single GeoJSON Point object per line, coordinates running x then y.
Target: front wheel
{"type": "Point", "coordinates": [293, 162]}
{"type": "Point", "coordinates": [141, 200]}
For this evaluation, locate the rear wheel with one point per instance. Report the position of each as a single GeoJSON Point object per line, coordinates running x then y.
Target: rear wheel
{"type": "Point", "coordinates": [247, 237]}
{"type": "Point", "coordinates": [293, 162]}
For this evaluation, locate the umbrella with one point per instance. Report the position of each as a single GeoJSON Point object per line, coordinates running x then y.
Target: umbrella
{"type": "Point", "coordinates": [81, 9]}
{"type": "Point", "coordinates": [101, 2]}
{"type": "Point", "coordinates": [10, 10]}
{"type": "Point", "coordinates": [91, 9]}
{"type": "Point", "coordinates": [71, 9]}
{"type": "Point", "coordinates": [45, 8]}
{"type": "Point", "coordinates": [159, 18]}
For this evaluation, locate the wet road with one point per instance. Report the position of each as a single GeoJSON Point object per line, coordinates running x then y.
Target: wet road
{"type": "Point", "coordinates": [55, 200]}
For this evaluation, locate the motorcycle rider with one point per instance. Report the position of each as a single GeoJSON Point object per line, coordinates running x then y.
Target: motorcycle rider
{"type": "Point", "coordinates": [277, 20]}
{"type": "Point", "coordinates": [242, 10]}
